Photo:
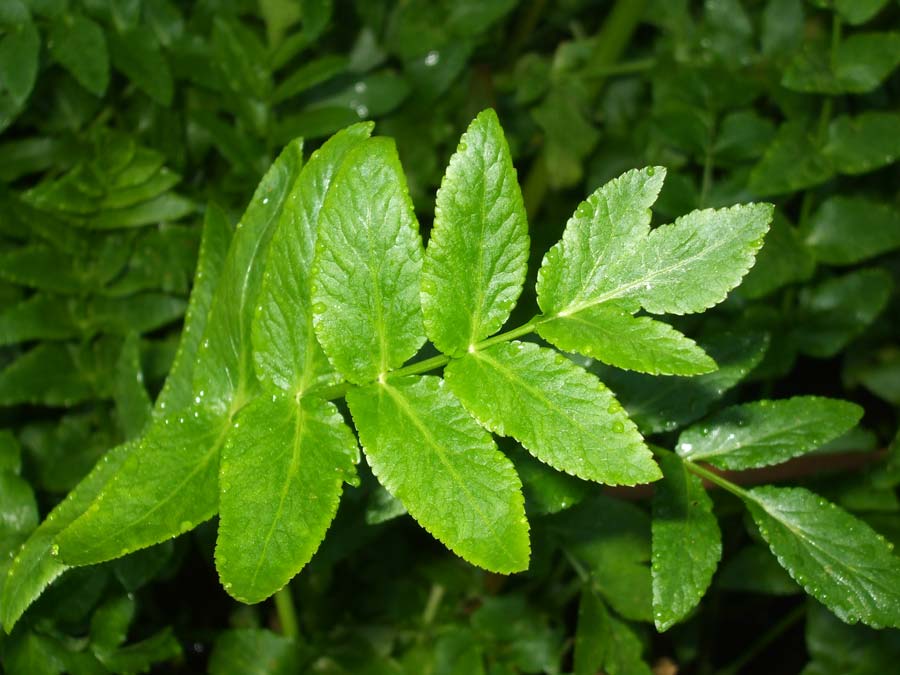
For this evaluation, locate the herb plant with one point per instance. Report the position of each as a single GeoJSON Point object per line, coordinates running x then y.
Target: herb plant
{"type": "Point", "coordinates": [595, 412]}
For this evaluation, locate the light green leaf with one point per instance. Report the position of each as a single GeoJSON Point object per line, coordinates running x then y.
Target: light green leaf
{"type": "Point", "coordinates": [612, 335]}
{"type": "Point", "coordinates": [79, 45]}
{"type": "Point", "coordinates": [286, 353]}
{"type": "Point", "coordinates": [560, 413]}
{"type": "Point", "coordinates": [687, 543]}
{"type": "Point", "coordinates": [166, 487]}
{"type": "Point", "coordinates": [477, 255]}
{"type": "Point", "coordinates": [792, 162]}
{"type": "Point", "coordinates": [838, 559]}
{"type": "Point", "coordinates": [35, 566]}
{"type": "Point", "coordinates": [280, 480]}
{"type": "Point", "coordinates": [368, 262]}
{"type": "Point", "coordinates": [597, 241]}
{"type": "Point", "coordinates": [224, 370]}
{"type": "Point", "coordinates": [863, 143]}
{"type": "Point", "coordinates": [177, 392]}
{"type": "Point", "coordinates": [856, 12]}
{"type": "Point", "coordinates": [763, 433]}
{"type": "Point", "coordinates": [848, 230]}
{"type": "Point", "coordinates": [429, 453]}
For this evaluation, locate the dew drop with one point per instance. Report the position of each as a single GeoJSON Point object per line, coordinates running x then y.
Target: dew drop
{"type": "Point", "coordinates": [618, 427]}
{"type": "Point", "coordinates": [362, 112]}
{"type": "Point", "coordinates": [432, 58]}
{"type": "Point", "coordinates": [650, 171]}
{"type": "Point", "coordinates": [54, 550]}
{"type": "Point", "coordinates": [319, 308]}
{"type": "Point", "coordinates": [265, 200]}
{"type": "Point", "coordinates": [360, 87]}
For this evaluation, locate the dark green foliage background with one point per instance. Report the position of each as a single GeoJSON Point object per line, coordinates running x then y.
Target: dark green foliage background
{"type": "Point", "coordinates": [122, 119]}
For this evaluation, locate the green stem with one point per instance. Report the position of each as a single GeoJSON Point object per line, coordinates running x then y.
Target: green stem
{"type": "Point", "coordinates": [716, 479]}
{"type": "Point", "coordinates": [764, 640]}
{"type": "Point", "coordinates": [432, 604]}
{"type": "Point", "coordinates": [287, 614]}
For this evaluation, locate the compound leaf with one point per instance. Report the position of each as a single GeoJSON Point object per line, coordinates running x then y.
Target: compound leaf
{"type": "Point", "coordinates": [838, 559]}
{"type": "Point", "coordinates": [428, 452]}
{"type": "Point", "coordinates": [165, 487]}
{"type": "Point", "coordinates": [559, 412]}
{"type": "Point", "coordinates": [280, 478]}
{"type": "Point", "coordinates": [687, 543]}
{"type": "Point", "coordinates": [285, 350]}
{"type": "Point", "coordinates": [615, 337]}
{"type": "Point", "coordinates": [224, 369]}
{"type": "Point", "coordinates": [368, 262]}
{"type": "Point", "coordinates": [767, 432]}
{"type": "Point", "coordinates": [477, 255]}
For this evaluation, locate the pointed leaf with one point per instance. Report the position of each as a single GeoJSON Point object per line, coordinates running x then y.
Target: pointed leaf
{"type": "Point", "coordinates": [368, 261]}
{"type": "Point", "coordinates": [863, 143]}
{"type": "Point", "coordinates": [601, 236]}
{"type": "Point", "coordinates": [224, 369]}
{"type": "Point", "coordinates": [285, 350]}
{"type": "Point", "coordinates": [79, 45]}
{"type": "Point", "coordinates": [167, 486]}
{"type": "Point", "coordinates": [848, 230]}
{"type": "Point", "coordinates": [613, 336]}
{"type": "Point", "coordinates": [280, 480]}
{"type": "Point", "coordinates": [35, 564]}
{"type": "Point", "coordinates": [131, 397]}
{"type": "Point", "coordinates": [838, 559]}
{"type": "Point", "coordinates": [477, 255]}
{"type": "Point", "coordinates": [429, 453]}
{"type": "Point", "coordinates": [687, 543]}
{"type": "Point", "coordinates": [562, 414]}
{"type": "Point", "coordinates": [763, 433]}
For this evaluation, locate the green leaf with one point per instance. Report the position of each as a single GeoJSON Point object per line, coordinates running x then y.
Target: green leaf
{"type": "Point", "coordinates": [857, 65]}
{"type": "Point", "coordinates": [177, 392]}
{"type": "Point", "coordinates": [19, 52]}
{"type": "Point", "coordinates": [280, 480]}
{"type": "Point", "coordinates": [604, 641]}
{"type": "Point", "coordinates": [838, 559]}
{"type": "Point", "coordinates": [110, 622]}
{"type": "Point", "coordinates": [613, 336]}
{"type": "Point", "coordinates": [140, 656]}
{"type": "Point", "coordinates": [10, 452]}
{"type": "Point", "coordinates": [834, 312]}
{"type": "Point", "coordinates": [50, 374]}
{"type": "Point", "coordinates": [848, 230]}
{"type": "Point", "coordinates": [166, 487]}
{"type": "Point", "coordinates": [607, 254]}
{"type": "Point", "coordinates": [368, 262]}
{"type": "Point", "coordinates": [35, 565]}
{"type": "Point", "coordinates": [560, 413]}
{"type": "Point", "coordinates": [309, 75]}
{"type": "Point", "coordinates": [132, 401]}
{"type": "Point", "coordinates": [546, 491]}
{"type": "Point", "coordinates": [224, 370]}
{"type": "Point", "coordinates": [664, 404]}
{"type": "Point", "coordinates": [428, 452]}
{"type": "Point", "coordinates": [137, 54]}
{"type": "Point", "coordinates": [253, 651]}
{"type": "Point", "coordinates": [597, 241]}
{"type": "Point", "coordinates": [856, 12]}
{"type": "Point", "coordinates": [783, 260]}
{"type": "Point", "coordinates": [763, 433]}
{"type": "Point", "coordinates": [792, 162]}
{"type": "Point", "coordinates": [863, 143]}
{"type": "Point", "coordinates": [79, 45]}
{"type": "Point", "coordinates": [687, 543]}
{"type": "Point", "coordinates": [286, 353]}
{"type": "Point", "coordinates": [477, 255]}
{"type": "Point", "coordinates": [835, 647]}
{"type": "Point", "coordinates": [753, 570]}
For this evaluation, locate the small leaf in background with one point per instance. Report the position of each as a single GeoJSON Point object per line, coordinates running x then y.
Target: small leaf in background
{"type": "Point", "coordinates": [835, 311]}
{"type": "Point", "coordinates": [863, 143]}
{"type": "Point", "coordinates": [546, 490]}
{"type": "Point", "coordinates": [560, 413]}
{"type": "Point", "coordinates": [859, 11]}
{"type": "Point", "coordinates": [309, 75]}
{"type": "Point", "coordinates": [280, 477]}
{"type": "Point", "coordinates": [848, 230]}
{"type": "Point", "coordinates": [783, 260]}
{"type": "Point", "coordinates": [838, 559]}
{"type": "Point", "coordinates": [477, 254]}
{"type": "Point", "coordinates": [132, 401]}
{"type": "Point", "coordinates": [138, 55]}
{"type": "Point", "coordinates": [286, 353]}
{"type": "Point", "coordinates": [687, 543]}
{"type": "Point", "coordinates": [835, 647]}
{"type": "Point", "coordinates": [792, 162]}
{"type": "Point", "coordinates": [368, 262]}
{"type": "Point", "coordinates": [19, 51]}
{"type": "Point", "coordinates": [253, 651]}
{"type": "Point", "coordinates": [763, 433]}
{"type": "Point", "coordinates": [604, 641]}
{"type": "Point", "coordinates": [428, 452]}
{"type": "Point", "coordinates": [754, 569]}
{"type": "Point", "coordinates": [79, 45]}
{"type": "Point", "coordinates": [615, 337]}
